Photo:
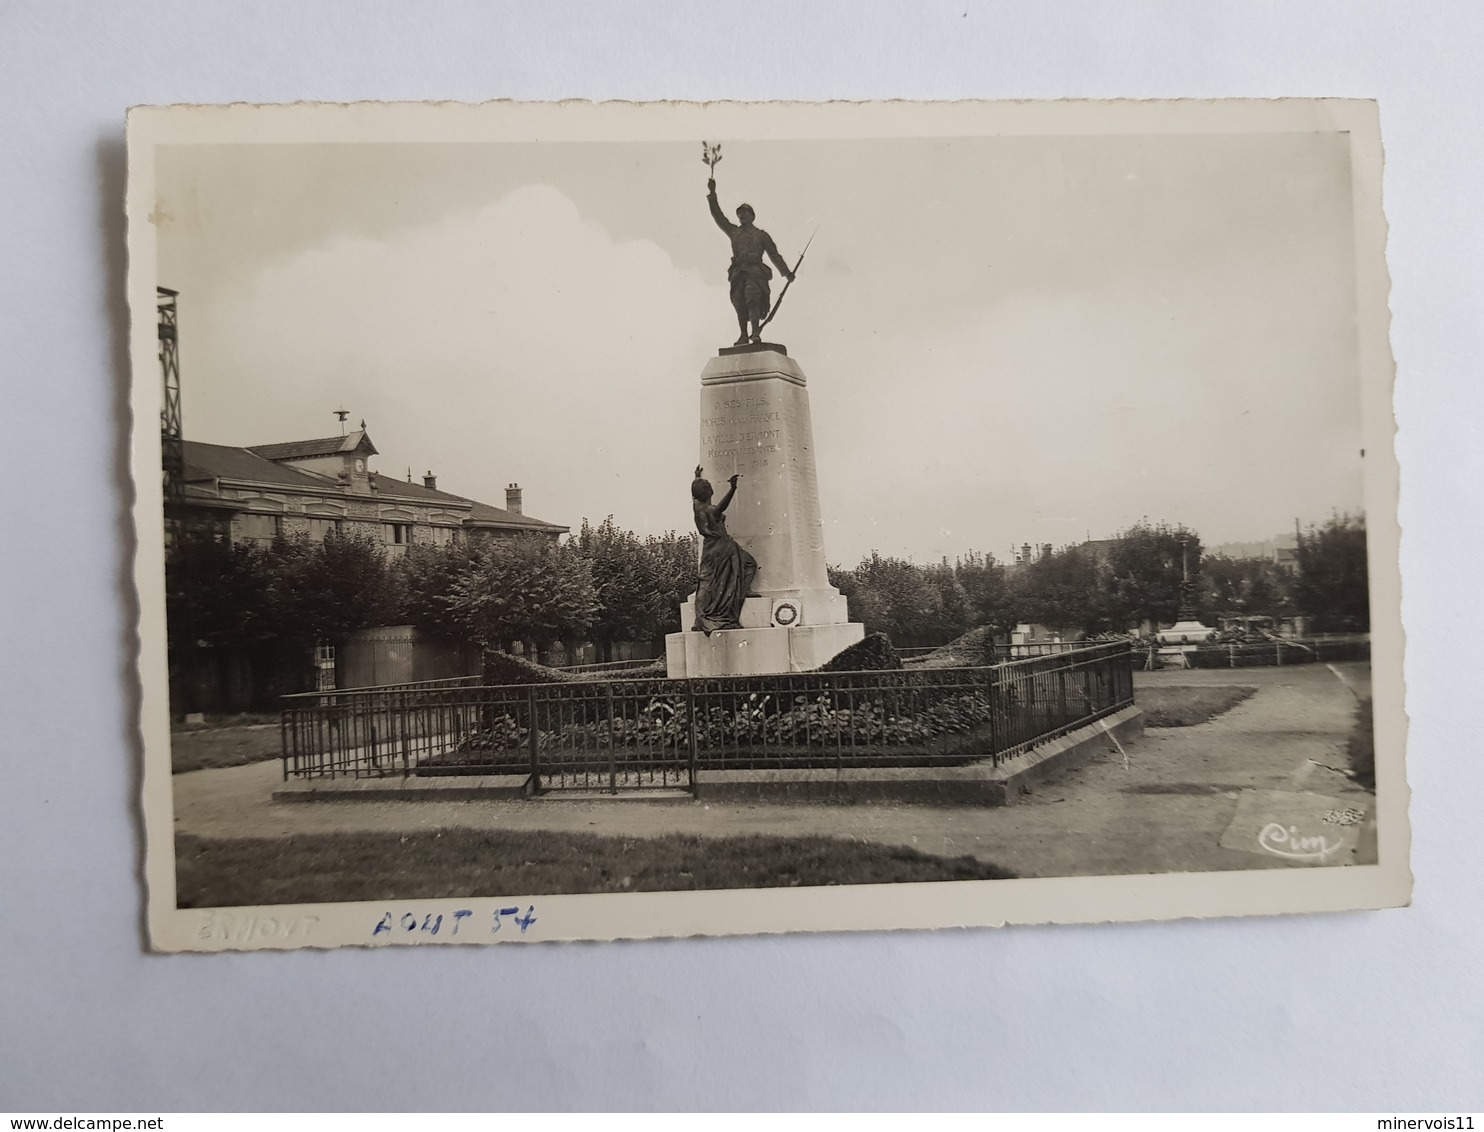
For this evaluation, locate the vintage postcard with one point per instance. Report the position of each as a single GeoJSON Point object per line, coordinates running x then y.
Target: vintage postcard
{"type": "Point", "coordinates": [596, 521]}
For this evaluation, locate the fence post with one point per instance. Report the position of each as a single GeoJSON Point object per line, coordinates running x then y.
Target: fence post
{"type": "Point", "coordinates": [612, 765]}
{"type": "Point", "coordinates": [690, 712]}
{"type": "Point", "coordinates": [1231, 650]}
{"type": "Point", "coordinates": [992, 681]}
{"type": "Point", "coordinates": [1278, 649]}
{"type": "Point", "coordinates": [535, 740]}
{"type": "Point", "coordinates": [401, 710]}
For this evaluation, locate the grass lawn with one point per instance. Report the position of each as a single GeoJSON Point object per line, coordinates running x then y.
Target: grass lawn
{"type": "Point", "coordinates": [328, 867]}
{"type": "Point", "coordinates": [207, 748]}
{"type": "Point", "coordinates": [1173, 705]}
{"type": "Point", "coordinates": [236, 719]}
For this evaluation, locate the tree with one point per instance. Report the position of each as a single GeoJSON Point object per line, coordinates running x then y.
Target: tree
{"type": "Point", "coordinates": [895, 597]}
{"type": "Point", "coordinates": [1332, 587]}
{"type": "Point", "coordinates": [1144, 569]}
{"type": "Point", "coordinates": [216, 594]}
{"type": "Point", "coordinates": [326, 590]}
{"type": "Point", "coordinates": [675, 557]}
{"type": "Point", "coordinates": [949, 615]}
{"type": "Point", "coordinates": [626, 582]}
{"type": "Point", "coordinates": [524, 589]}
{"type": "Point", "coordinates": [986, 591]}
{"type": "Point", "coordinates": [1247, 586]}
{"type": "Point", "coordinates": [423, 582]}
{"type": "Point", "coordinates": [1063, 591]}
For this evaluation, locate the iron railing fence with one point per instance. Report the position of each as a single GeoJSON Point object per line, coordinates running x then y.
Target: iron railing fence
{"type": "Point", "coordinates": [1042, 648]}
{"type": "Point", "coordinates": [416, 685]}
{"type": "Point", "coordinates": [1004, 651]}
{"type": "Point", "coordinates": [1273, 652]}
{"type": "Point", "coordinates": [653, 732]}
{"type": "Point", "coordinates": [610, 666]}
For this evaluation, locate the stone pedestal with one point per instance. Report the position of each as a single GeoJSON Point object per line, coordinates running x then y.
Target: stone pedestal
{"type": "Point", "coordinates": [755, 421]}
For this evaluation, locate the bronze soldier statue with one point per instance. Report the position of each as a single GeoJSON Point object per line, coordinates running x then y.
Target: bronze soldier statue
{"type": "Point", "coordinates": [748, 274]}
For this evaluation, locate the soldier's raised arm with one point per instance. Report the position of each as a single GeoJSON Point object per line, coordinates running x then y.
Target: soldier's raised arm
{"type": "Point", "coordinates": [716, 213]}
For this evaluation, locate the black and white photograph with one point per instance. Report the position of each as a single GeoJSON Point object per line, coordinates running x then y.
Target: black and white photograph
{"type": "Point", "coordinates": [588, 521]}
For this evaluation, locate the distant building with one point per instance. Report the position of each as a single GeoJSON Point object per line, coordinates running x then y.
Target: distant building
{"type": "Point", "coordinates": [312, 487]}
{"type": "Point", "coordinates": [1100, 548]}
{"type": "Point", "coordinates": [1026, 553]}
{"type": "Point", "coordinates": [1280, 550]}
{"type": "Point", "coordinates": [1023, 555]}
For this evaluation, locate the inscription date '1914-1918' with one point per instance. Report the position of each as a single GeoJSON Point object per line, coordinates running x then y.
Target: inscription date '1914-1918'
{"type": "Point", "coordinates": [433, 923]}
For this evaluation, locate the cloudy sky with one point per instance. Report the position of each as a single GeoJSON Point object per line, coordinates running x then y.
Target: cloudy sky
{"type": "Point", "coordinates": [1007, 339]}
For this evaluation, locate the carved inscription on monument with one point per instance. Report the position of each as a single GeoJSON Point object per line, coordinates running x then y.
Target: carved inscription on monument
{"type": "Point", "coordinates": [745, 435]}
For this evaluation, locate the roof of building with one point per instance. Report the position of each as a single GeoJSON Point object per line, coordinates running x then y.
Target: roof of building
{"type": "Point", "coordinates": [213, 461]}
{"type": "Point", "coordinates": [209, 461]}
{"type": "Point", "coordinates": [322, 446]}
{"type": "Point", "coordinates": [481, 514]}
{"type": "Point", "coordinates": [405, 489]}
{"type": "Point", "coordinates": [1102, 546]}
{"type": "Point", "coordinates": [486, 516]}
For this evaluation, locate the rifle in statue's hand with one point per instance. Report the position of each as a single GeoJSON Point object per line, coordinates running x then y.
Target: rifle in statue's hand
{"type": "Point", "coordinates": [789, 283]}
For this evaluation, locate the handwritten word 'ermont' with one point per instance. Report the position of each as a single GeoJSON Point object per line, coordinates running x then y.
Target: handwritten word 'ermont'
{"type": "Point", "coordinates": [433, 923]}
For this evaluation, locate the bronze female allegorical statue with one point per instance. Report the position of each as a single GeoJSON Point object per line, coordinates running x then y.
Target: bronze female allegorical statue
{"type": "Point", "coordinates": [727, 571]}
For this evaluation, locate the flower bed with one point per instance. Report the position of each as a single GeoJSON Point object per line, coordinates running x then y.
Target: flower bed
{"type": "Point", "coordinates": [956, 728]}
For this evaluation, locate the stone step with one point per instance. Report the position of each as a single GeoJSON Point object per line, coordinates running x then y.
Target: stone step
{"type": "Point", "coordinates": [623, 794]}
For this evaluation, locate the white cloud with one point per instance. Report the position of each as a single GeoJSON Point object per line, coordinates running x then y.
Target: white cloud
{"type": "Point", "coordinates": [517, 343]}
{"type": "Point", "coordinates": [522, 342]}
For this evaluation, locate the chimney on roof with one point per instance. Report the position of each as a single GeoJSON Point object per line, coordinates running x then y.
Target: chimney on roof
{"type": "Point", "coordinates": [512, 499]}
{"type": "Point", "coordinates": [430, 481]}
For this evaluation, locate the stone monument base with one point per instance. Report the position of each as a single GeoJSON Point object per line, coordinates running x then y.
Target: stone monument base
{"type": "Point", "coordinates": [754, 652]}
{"type": "Point", "coordinates": [754, 418]}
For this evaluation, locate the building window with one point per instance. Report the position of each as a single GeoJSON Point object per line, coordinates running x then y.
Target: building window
{"type": "Point", "coordinates": [261, 529]}
{"type": "Point", "coordinates": [324, 667]}
{"type": "Point", "coordinates": [397, 534]}
{"type": "Point", "coordinates": [319, 528]}
{"type": "Point", "coordinates": [443, 536]}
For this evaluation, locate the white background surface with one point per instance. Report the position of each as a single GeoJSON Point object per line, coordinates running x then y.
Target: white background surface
{"type": "Point", "coordinates": [1366, 1011]}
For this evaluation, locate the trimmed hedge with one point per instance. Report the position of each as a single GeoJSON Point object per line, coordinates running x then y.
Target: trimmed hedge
{"type": "Point", "coordinates": [974, 649]}
{"type": "Point", "coordinates": [503, 668]}
{"type": "Point", "coordinates": [873, 654]}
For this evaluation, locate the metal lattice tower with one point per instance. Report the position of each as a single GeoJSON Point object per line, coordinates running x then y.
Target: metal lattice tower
{"type": "Point", "coordinates": [172, 448]}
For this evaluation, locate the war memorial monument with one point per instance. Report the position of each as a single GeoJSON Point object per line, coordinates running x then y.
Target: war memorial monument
{"type": "Point", "coordinates": [764, 602]}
